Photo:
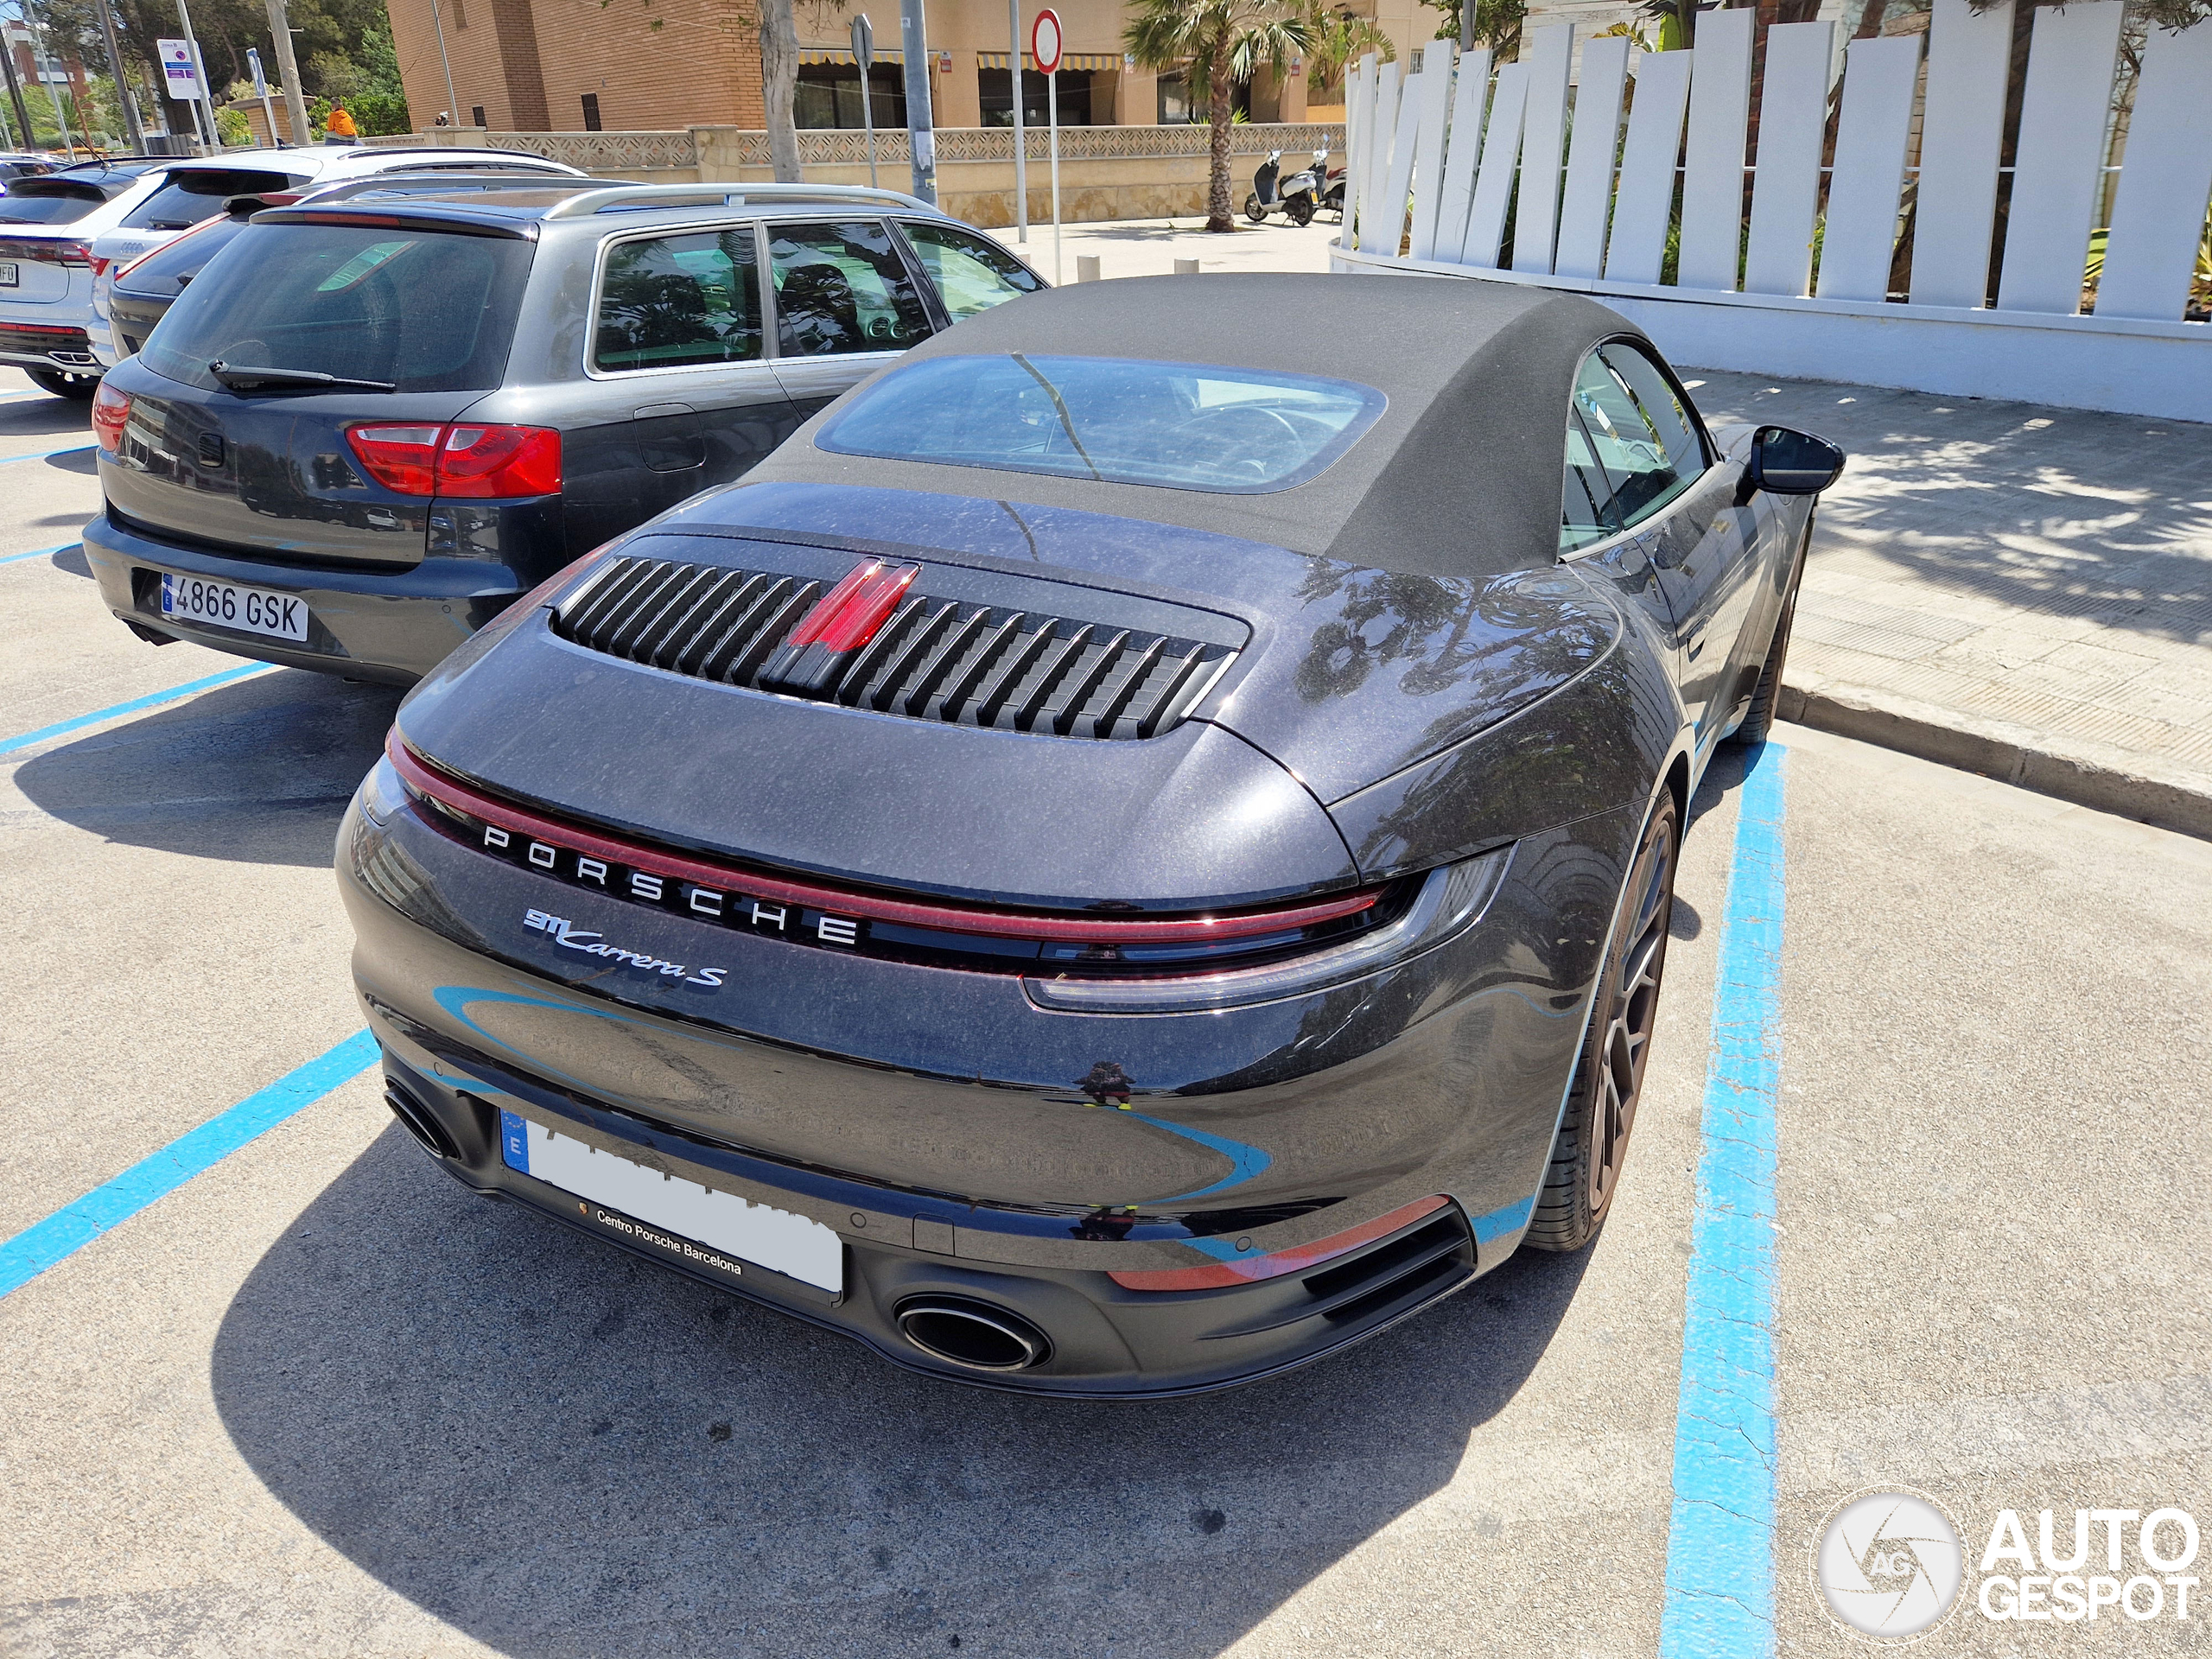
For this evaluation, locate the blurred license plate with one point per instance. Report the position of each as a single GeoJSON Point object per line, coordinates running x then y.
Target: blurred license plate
{"type": "Point", "coordinates": [8, 277]}
{"type": "Point", "coordinates": [671, 1215]}
{"type": "Point", "coordinates": [229, 606]}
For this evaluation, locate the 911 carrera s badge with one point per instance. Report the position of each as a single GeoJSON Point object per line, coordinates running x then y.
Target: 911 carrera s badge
{"type": "Point", "coordinates": [566, 935]}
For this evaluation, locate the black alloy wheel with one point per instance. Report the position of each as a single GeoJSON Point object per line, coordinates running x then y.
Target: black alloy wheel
{"type": "Point", "coordinates": [1593, 1132]}
{"type": "Point", "coordinates": [62, 384]}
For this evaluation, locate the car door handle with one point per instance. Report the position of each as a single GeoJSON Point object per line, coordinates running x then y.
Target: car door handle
{"type": "Point", "coordinates": [661, 411]}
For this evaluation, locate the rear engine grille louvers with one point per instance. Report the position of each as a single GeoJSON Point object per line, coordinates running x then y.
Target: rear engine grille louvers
{"type": "Point", "coordinates": [934, 658]}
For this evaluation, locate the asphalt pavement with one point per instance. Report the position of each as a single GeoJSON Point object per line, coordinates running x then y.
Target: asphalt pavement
{"type": "Point", "coordinates": [318, 1400]}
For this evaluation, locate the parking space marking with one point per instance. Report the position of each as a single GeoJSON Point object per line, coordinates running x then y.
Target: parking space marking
{"type": "Point", "coordinates": [1720, 1539]}
{"type": "Point", "coordinates": [41, 553]}
{"type": "Point", "coordinates": [151, 700]}
{"type": "Point", "coordinates": [41, 454]}
{"type": "Point", "coordinates": [69, 1229]}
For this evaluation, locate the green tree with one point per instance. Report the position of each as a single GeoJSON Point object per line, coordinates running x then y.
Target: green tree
{"type": "Point", "coordinates": [1495, 24]}
{"type": "Point", "coordinates": [1334, 40]}
{"type": "Point", "coordinates": [1221, 42]}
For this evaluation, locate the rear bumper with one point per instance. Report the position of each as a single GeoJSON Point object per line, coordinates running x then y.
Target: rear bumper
{"type": "Point", "coordinates": [48, 346]}
{"type": "Point", "coordinates": [372, 625]}
{"type": "Point", "coordinates": [919, 1113]}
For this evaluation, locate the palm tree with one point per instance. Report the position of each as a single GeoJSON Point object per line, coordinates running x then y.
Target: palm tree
{"type": "Point", "coordinates": [1221, 42]}
{"type": "Point", "coordinates": [1335, 40]}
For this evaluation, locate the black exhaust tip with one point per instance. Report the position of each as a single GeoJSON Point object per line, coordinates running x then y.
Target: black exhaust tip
{"type": "Point", "coordinates": [975, 1336]}
{"type": "Point", "coordinates": [419, 1121]}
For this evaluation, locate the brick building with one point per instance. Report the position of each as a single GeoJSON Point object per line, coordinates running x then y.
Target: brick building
{"type": "Point", "coordinates": [569, 65]}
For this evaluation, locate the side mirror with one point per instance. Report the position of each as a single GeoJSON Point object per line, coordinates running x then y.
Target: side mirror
{"type": "Point", "coordinates": [1788, 463]}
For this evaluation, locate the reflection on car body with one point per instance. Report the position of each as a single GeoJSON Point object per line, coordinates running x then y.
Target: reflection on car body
{"type": "Point", "coordinates": [1185, 907]}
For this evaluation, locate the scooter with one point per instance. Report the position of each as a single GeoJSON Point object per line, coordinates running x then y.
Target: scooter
{"type": "Point", "coordinates": [1302, 191]}
{"type": "Point", "coordinates": [1298, 196]}
{"type": "Point", "coordinates": [1263, 195]}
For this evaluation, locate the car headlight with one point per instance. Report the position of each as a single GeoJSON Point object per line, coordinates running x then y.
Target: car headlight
{"type": "Point", "coordinates": [1451, 900]}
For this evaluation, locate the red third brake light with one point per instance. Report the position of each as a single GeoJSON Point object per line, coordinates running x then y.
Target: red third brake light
{"type": "Point", "coordinates": [462, 459]}
{"type": "Point", "coordinates": [110, 409]}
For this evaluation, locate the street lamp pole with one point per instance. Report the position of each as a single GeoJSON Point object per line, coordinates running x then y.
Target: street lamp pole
{"type": "Point", "coordinates": [1020, 149]}
{"type": "Point", "coordinates": [288, 64]}
{"type": "Point", "coordinates": [453, 98]}
{"type": "Point", "coordinates": [131, 127]}
{"type": "Point", "coordinates": [921, 129]}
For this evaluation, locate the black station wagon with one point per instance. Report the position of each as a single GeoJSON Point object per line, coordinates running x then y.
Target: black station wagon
{"type": "Point", "coordinates": [368, 426]}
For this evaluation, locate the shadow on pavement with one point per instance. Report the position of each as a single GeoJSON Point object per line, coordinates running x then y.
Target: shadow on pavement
{"type": "Point", "coordinates": [562, 1450]}
{"type": "Point", "coordinates": [52, 418]}
{"type": "Point", "coordinates": [259, 771]}
{"type": "Point", "coordinates": [2072, 512]}
{"type": "Point", "coordinates": [71, 559]}
{"type": "Point", "coordinates": [83, 462]}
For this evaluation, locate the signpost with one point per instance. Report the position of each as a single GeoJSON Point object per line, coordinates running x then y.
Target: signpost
{"type": "Point", "coordinates": [864, 55]}
{"type": "Point", "coordinates": [1044, 46]}
{"type": "Point", "coordinates": [1020, 149]}
{"type": "Point", "coordinates": [260, 91]}
{"type": "Point", "coordinates": [180, 75]}
{"type": "Point", "coordinates": [921, 130]}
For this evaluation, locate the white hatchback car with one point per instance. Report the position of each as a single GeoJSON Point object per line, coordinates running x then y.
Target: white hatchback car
{"type": "Point", "coordinates": [53, 320]}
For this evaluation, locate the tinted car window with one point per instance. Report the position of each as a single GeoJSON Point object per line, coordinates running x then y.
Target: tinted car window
{"type": "Point", "coordinates": [1637, 439]}
{"type": "Point", "coordinates": [843, 288]}
{"type": "Point", "coordinates": [432, 312]}
{"type": "Point", "coordinates": [1586, 512]}
{"type": "Point", "coordinates": [164, 272]}
{"type": "Point", "coordinates": [51, 201]}
{"type": "Point", "coordinates": [1187, 426]}
{"type": "Point", "coordinates": [671, 299]}
{"type": "Point", "coordinates": [972, 273]}
{"type": "Point", "coordinates": [187, 198]}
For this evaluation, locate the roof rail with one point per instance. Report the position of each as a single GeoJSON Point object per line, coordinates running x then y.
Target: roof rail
{"type": "Point", "coordinates": [586, 203]}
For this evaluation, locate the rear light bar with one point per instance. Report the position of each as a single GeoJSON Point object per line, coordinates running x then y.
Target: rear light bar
{"type": "Point", "coordinates": [110, 409]}
{"type": "Point", "coordinates": [440, 785]}
{"type": "Point", "coordinates": [459, 458]}
{"type": "Point", "coordinates": [1245, 1271]}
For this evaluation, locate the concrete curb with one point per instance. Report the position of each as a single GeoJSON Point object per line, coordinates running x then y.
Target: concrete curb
{"type": "Point", "coordinates": [2088, 773]}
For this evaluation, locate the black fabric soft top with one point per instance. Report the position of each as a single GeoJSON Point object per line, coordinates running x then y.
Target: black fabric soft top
{"type": "Point", "coordinates": [1460, 477]}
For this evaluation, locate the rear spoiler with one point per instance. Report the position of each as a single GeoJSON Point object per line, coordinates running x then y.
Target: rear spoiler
{"type": "Point", "coordinates": [399, 218]}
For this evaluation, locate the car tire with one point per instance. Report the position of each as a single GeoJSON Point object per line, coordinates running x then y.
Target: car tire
{"type": "Point", "coordinates": [1593, 1132]}
{"type": "Point", "coordinates": [1767, 695]}
{"type": "Point", "coordinates": [62, 384]}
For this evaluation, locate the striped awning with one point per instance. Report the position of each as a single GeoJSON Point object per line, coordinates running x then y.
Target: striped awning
{"type": "Point", "coordinates": [833, 55]}
{"type": "Point", "coordinates": [1093, 60]}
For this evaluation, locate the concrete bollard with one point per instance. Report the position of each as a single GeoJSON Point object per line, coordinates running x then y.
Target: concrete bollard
{"type": "Point", "coordinates": [1086, 267]}
{"type": "Point", "coordinates": [1186, 267]}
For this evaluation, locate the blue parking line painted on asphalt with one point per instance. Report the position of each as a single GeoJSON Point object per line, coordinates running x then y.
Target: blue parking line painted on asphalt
{"type": "Point", "coordinates": [115, 711]}
{"type": "Point", "coordinates": [39, 553]}
{"type": "Point", "coordinates": [1719, 1599]}
{"type": "Point", "coordinates": [41, 454]}
{"type": "Point", "coordinates": [69, 1229]}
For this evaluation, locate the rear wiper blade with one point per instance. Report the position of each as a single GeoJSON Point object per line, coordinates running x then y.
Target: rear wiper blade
{"type": "Point", "coordinates": [242, 378]}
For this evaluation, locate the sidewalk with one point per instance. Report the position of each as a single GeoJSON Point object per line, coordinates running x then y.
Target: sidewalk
{"type": "Point", "coordinates": [2023, 591]}
{"type": "Point", "coordinates": [2019, 591]}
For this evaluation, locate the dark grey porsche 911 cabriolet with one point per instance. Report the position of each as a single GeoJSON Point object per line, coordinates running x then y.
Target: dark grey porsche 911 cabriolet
{"type": "Point", "coordinates": [1126, 857]}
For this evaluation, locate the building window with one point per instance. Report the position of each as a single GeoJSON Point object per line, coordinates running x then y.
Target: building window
{"type": "Point", "coordinates": [994, 88]}
{"type": "Point", "coordinates": [591, 112]}
{"type": "Point", "coordinates": [1181, 103]}
{"type": "Point", "coordinates": [476, 115]}
{"type": "Point", "coordinates": [828, 95]}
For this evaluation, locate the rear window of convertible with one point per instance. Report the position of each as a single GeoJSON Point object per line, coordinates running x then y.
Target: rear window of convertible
{"type": "Point", "coordinates": [1181, 426]}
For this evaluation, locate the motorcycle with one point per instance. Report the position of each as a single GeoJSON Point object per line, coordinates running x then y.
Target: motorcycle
{"type": "Point", "coordinates": [1300, 196]}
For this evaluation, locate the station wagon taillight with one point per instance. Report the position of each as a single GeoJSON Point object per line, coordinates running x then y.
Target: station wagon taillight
{"type": "Point", "coordinates": [110, 409]}
{"type": "Point", "coordinates": [462, 458]}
